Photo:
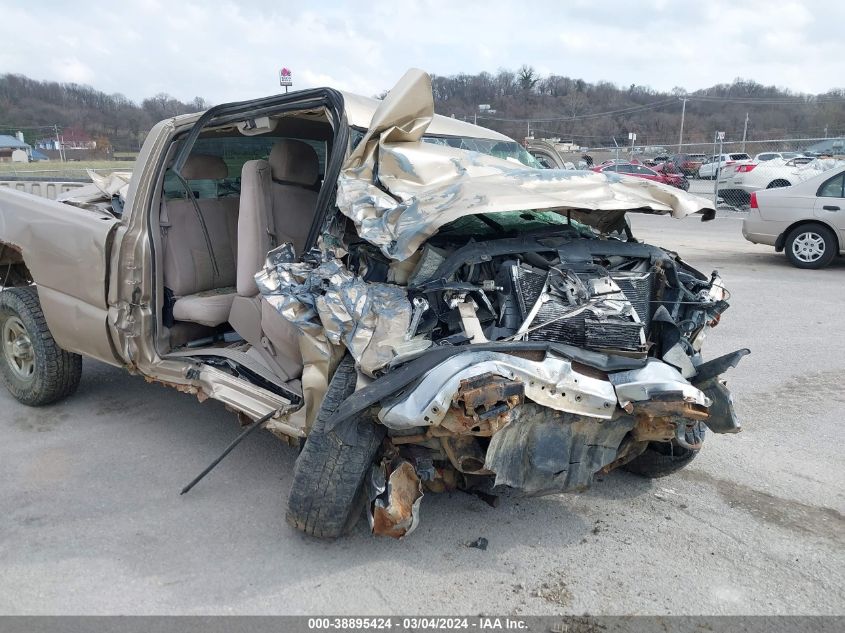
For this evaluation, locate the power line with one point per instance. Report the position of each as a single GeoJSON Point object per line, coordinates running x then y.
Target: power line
{"type": "Point", "coordinates": [579, 117]}
{"type": "Point", "coordinates": [765, 100]}
{"type": "Point", "coordinates": [673, 100]}
{"type": "Point", "coordinates": [28, 127]}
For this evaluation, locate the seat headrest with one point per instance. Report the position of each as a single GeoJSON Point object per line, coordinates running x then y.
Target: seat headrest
{"type": "Point", "coordinates": [204, 167]}
{"type": "Point", "coordinates": [295, 162]}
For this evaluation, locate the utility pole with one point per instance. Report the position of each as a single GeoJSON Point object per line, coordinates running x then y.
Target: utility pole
{"type": "Point", "coordinates": [683, 114]}
{"type": "Point", "coordinates": [528, 132]}
{"type": "Point", "coordinates": [744, 131]}
{"type": "Point", "coordinates": [59, 143]}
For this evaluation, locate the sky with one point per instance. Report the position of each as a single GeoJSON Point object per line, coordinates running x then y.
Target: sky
{"type": "Point", "coordinates": [229, 51]}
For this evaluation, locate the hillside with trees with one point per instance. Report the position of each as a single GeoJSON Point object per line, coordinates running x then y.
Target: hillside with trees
{"type": "Point", "coordinates": [32, 106]}
{"type": "Point", "coordinates": [575, 109]}
{"type": "Point", "coordinates": [591, 114]}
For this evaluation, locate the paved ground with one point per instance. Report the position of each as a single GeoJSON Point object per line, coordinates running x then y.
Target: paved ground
{"type": "Point", "coordinates": [92, 521]}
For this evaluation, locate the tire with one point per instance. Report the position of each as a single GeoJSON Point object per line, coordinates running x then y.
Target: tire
{"type": "Point", "coordinates": [732, 197]}
{"type": "Point", "coordinates": [661, 459]}
{"type": "Point", "coordinates": [810, 246]}
{"type": "Point", "coordinates": [33, 367]}
{"type": "Point", "coordinates": [326, 495]}
{"type": "Point", "coordinates": [777, 184]}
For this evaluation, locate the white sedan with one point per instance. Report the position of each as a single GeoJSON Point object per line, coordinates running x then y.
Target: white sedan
{"type": "Point", "coordinates": [717, 163]}
{"type": "Point", "coordinates": [806, 220]}
{"type": "Point", "coordinates": [737, 182]}
{"type": "Point", "coordinates": [763, 157]}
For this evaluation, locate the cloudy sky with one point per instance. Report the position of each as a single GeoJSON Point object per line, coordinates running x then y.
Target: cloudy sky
{"type": "Point", "coordinates": [225, 50]}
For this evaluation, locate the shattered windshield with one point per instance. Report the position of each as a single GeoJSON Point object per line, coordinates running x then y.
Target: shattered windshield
{"type": "Point", "coordinates": [507, 150]}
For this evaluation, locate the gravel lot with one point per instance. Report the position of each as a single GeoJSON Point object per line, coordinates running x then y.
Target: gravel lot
{"type": "Point", "coordinates": [93, 522]}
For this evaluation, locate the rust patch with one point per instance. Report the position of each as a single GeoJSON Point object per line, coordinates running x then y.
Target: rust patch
{"type": "Point", "coordinates": [481, 393]}
{"type": "Point", "coordinates": [398, 514]}
{"type": "Point", "coordinates": [445, 478]}
{"type": "Point", "coordinates": [201, 395]}
{"type": "Point", "coordinates": [456, 422]}
{"type": "Point", "coordinates": [667, 408]}
{"type": "Point", "coordinates": [482, 404]}
{"type": "Point", "coordinates": [654, 429]}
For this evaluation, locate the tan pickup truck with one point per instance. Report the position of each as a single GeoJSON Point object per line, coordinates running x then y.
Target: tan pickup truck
{"type": "Point", "coordinates": [399, 294]}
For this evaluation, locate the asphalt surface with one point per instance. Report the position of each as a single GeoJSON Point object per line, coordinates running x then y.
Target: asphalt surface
{"type": "Point", "coordinates": [92, 521]}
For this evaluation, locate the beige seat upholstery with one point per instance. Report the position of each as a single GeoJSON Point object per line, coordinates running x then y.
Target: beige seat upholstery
{"type": "Point", "coordinates": [278, 203]}
{"type": "Point", "coordinates": [200, 247]}
{"type": "Point", "coordinates": [209, 307]}
{"type": "Point", "coordinates": [281, 196]}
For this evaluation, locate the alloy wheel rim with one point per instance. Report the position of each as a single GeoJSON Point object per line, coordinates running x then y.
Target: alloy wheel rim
{"type": "Point", "coordinates": [17, 348]}
{"type": "Point", "coordinates": [808, 247]}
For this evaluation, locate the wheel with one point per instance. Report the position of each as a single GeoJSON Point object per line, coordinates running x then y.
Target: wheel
{"type": "Point", "coordinates": [733, 197]}
{"type": "Point", "coordinates": [810, 246]}
{"type": "Point", "coordinates": [326, 496]}
{"type": "Point", "coordinates": [664, 458]}
{"type": "Point", "coordinates": [776, 184]}
{"type": "Point", "coordinates": [33, 367]}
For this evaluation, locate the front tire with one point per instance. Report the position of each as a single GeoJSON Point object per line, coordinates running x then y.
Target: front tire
{"type": "Point", "coordinates": [810, 246]}
{"type": "Point", "coordinates": [661, 459]}
{"type": "Point", "coordinates": [33, 367]}
{"type": "Point", "coordinates": [325, 498]}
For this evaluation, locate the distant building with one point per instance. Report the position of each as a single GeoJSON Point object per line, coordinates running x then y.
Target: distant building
{"type": "Point", "coordinates": [13, 149]}
{"type": "Point", "coordinates": [72, 138]}
{"type": "Point", "coordinates": [48, 144]}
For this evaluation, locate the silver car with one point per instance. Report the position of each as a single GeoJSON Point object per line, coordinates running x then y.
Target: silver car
{"type": "Point", "coordinates": [806, 220]}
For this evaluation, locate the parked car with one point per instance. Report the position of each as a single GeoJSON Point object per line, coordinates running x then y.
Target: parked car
{"type": "Point", "coordinates": [718, 162]}
{"type": "Point", "coordinates": [688, 164]}
{"type": "Point", "coordinates": [738, 181]}
{"type": "Point", "coordinates": [415, 315]}
{"type": "Point", "coordinates": [672, 177]}
{"type": "Point", "coordinates": [807, 220]}
{"type": "Point", "coordinates": [763, 157]}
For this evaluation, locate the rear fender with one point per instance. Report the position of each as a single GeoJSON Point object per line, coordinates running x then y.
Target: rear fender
{"type": "Point", "coordinates": [64, 250]}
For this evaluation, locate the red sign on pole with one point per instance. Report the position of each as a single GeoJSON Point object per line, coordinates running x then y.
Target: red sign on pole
{"type": "Point", "coordinates": [285, 77]}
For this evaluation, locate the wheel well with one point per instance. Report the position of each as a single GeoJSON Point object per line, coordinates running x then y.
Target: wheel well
{"type": "Point", "coordinates": [778, 182]}
{"type": "Point", "coordinates": [13, 270]}
{"type": "Point", "coordinates": [780, 243]}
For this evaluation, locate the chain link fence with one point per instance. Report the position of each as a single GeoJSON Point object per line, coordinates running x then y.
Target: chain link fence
{"type": "Point", "coordinates": [727, 171]}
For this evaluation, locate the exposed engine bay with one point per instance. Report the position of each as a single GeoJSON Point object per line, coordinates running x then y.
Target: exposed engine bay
{"type": "Point", "coordinates": [529, 361]}
{"type": "Point", "coordinates": [597, 294]}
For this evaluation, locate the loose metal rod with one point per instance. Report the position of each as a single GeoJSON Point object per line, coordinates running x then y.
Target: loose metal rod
{"type": "Point", "coordinates": [257, 424]}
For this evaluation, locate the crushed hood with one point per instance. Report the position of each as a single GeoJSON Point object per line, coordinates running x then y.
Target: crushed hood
{"type": "Point", "coordinates": [399, 190]}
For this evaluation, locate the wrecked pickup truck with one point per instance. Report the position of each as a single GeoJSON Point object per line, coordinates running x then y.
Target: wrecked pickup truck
{"type": "Point", "coordinates": [400, 294]}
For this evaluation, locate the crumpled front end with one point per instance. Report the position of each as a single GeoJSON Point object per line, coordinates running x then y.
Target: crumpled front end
{"type": "Point", "coordinates": [507, 329]}
{"type": "Point", "coordinates": [529, 363]}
